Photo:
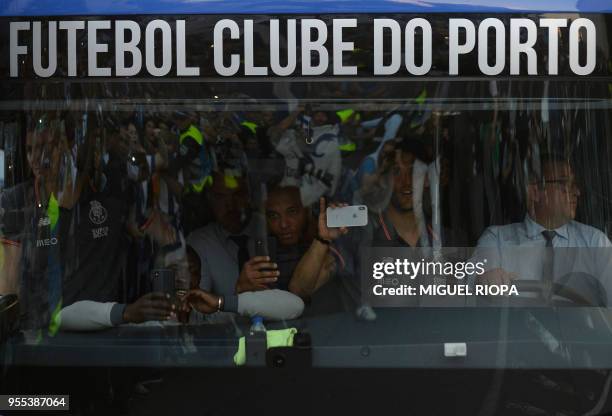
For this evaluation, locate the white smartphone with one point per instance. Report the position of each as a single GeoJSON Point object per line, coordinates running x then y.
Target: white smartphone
{"type": "Point", "coordinates": [351, 216]}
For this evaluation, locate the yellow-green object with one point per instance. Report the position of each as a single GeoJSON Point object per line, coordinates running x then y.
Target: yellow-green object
{"type": "Point", "coordinates": [192, 132]}
{"type": "Point", "coordinates": [422, 97]}
{"type": "Point", "coordinates": [346, 114]}
{"type": "Point", "coordinates": [231, 182]}
{"type": "Point", "coordinates": [348, 147]}
{"type": "Point", "coordinates": [53, 211]}
{"type": "Point", "coordinates": [56, 319]}
{"type": "Point", "coordinates": [198, 187]}
{"type": "Point", "coordinates": [275, 338]}
{"type": "Point", "coordinates": [250, 125]}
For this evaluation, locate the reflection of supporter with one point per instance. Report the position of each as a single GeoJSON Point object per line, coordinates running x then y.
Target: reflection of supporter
{"type": "Point", "coordinates": [315, 168]}
{"type": "Point", "coordinates": [372, 171]}
{"type": "Point", "coordinates": [128, 158]}
{"type": "Point", "coordinates": [386, 127]}
{"type": "Point", "coordinates": [193, 158]}
{"type": "Point", "coordinates": [305, 263]}
{"type": "Point", "coordinates": [190, 165]}
{"type": "Point", "coordinates": [552, 199]}
{"type": "Point", "coordinates": [150, 136]}
{"type": "Point", "coordinates": [228, 153]}
{"type": "Point", "coordinates": [169, 139]}
{"type": "Point", "coordinates": [226, 247]}
{"type": "Point", "coordinates": [253, 133]}
{"type": "Point", "coordinates": [348, 120]}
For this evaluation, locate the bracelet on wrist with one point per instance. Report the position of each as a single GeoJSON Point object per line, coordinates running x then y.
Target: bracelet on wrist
{"type": "Point", "coordinates": [220, 303]}
{"type": "Point", "coordinates": [322, 240]}
{"type": "Point", "coordinates": [9, 242]}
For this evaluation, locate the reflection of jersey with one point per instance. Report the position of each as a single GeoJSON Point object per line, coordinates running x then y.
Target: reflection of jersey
{"type": "Point", "coordinates": [316, 169]}
{"type": "Point", "coordinates": [35, 228]}
{"type": "Point", "coordinates": [94, 246]}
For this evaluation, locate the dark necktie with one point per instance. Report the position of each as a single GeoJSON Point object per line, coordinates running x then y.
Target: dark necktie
{"type": "Point", "coordinates": [243, 249]}
{"type": "Point", "coordinates": [548, 266]}
{"type": "Point", "coordinates": [549, 235]}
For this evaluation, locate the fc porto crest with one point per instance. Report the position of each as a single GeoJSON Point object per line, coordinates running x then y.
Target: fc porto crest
{"type": "Point", "coordinates": [97, 213]}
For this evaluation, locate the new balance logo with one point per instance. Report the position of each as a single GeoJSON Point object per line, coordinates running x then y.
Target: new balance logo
{"type": "Point", "coordinates": [46, 242]}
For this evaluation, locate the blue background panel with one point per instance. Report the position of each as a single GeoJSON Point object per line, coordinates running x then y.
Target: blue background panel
{"type": "Point", "coordinates": [164, 7]}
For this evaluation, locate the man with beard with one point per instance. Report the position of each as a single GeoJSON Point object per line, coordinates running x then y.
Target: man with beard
{"type": "Point", "coordinates": [395, 225]}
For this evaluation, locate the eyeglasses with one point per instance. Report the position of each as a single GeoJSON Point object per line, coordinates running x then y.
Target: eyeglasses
{"type": "Point", "coordinates": [566, 184]}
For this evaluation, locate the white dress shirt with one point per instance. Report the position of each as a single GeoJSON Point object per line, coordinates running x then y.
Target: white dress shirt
{"type": "Point", "coordinates": [520, 248]}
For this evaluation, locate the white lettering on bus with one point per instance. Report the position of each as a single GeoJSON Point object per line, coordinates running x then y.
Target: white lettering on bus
{"type": "Point", "coordinates": [163, 47]}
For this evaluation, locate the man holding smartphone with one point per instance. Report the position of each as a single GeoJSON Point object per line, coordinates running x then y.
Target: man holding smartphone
{"type": "Point", "coordinates": [302, 252]}
{"type": "Point", "coordinates": [268, 304]}
{"type": "Point", "coordinates": [226, 249]}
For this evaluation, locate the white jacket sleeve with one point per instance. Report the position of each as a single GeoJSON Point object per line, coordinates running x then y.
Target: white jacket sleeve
{"type": "Point", "coordinates": [274, 304]}
{"type": "Point", "coordinates": [86, 315]}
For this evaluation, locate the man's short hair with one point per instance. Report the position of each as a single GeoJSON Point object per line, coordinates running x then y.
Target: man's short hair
{"type": "Point", "coordinates": [536, 170]}
{"type": "Point", "coordinates": [276, 186]}
{"type": "Point", "coordinates": [415, 145]}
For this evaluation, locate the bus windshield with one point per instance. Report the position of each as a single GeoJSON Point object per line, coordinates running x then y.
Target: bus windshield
{"type": "Point", "coordinates": [381, 191]}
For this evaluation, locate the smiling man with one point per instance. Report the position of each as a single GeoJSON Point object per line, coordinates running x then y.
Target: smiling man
{"type": "Point", "coordinates": [394, 225]}
{"type": "Point", "coordinates": [397, 225]}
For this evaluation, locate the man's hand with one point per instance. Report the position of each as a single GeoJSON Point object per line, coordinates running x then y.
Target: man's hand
{"type": "Point", "coordinates": [326, 233]}
{"type": "Point", "coordinates": [387, 157]}
{"type": "Point", "coordinates": [201, 301]}
{"type": "Point", "coordinates": [150, 307]}
{"type": "Point", "coordinates": [256, 274]}
{"type": "Point", "coordinates": [160, 230]}
{"type": "Point", "coordinates": [496, 276]}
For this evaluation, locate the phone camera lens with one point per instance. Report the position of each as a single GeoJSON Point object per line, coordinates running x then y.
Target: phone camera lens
{"type": "Point", "coordinates": [279, 361]}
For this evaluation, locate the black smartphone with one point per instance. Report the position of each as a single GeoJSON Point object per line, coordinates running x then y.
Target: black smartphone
{"type": "Point", "coordinates": [266, 247]}
{"type": "Point", "coordinates": [164, 281]}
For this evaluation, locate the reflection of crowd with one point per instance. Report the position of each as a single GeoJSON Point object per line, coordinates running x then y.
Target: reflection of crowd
{"type": "Point", "coordinates": [231, 204]}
